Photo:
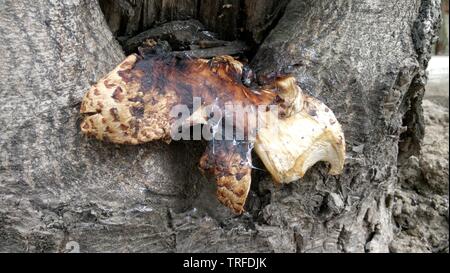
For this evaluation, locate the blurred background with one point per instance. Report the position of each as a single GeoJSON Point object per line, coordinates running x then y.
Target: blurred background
{"type": "Point", "coordinates": [437, 89]}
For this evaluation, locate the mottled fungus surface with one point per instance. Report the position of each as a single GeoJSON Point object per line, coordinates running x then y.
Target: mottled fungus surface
{"type": "Point", "coordinates": [134, 104]}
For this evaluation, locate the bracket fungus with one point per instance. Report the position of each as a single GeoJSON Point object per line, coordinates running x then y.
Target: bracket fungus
{"type": "Point", "coordinates": [134, 104]}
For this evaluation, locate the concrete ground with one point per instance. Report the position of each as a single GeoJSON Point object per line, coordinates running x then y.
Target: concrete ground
{"type": "Point", "coordinates": [421, 198]}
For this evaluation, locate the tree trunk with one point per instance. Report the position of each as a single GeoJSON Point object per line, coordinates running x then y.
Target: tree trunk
{"type": "Point", "coordinates": [366, 60]}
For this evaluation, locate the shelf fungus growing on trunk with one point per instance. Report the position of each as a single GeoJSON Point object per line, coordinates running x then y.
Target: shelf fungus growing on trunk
{"type": "Point", "coordinates": [156, 95]}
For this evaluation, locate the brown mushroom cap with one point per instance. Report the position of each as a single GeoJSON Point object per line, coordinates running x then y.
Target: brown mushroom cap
{"type": "Point", "coordinates": [133, 103]}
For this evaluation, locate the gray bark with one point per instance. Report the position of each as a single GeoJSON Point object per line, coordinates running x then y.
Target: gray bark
{"type": "Point", "coordinates": [364, 59]}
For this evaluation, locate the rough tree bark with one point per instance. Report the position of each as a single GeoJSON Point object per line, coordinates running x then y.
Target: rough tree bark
{"type": "Point", "coordinates": [364, 59]}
